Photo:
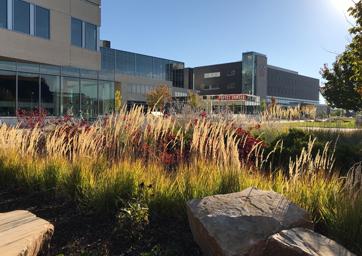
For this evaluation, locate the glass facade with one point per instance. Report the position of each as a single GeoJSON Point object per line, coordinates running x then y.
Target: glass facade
{"type": "Point", "coordinates": [77, 32]}
{"type": "Point", "coordinates": [248, 73]}
{"type": "Point", "coordinates": [125, 62]}
{"type": "Point", "coordinates": [50, 94]}
{"type": "Point", "coordinates": [3, 14]}
{"type": "Point", "coordinates": [106, 97]}
{"type": "Point", "coordinates": [21, 16]}
{"type": "Point", "coordinates": [28, 91]}
{"type": "Point", "coordinates": [70, 100]}
{"type": "Point", "coordinates": [42, 22]}
{"type": "Point", "coordinates": [89, 98]}
{"type": "Point", "coordinates": [59, 90]}
{"type": "Point", "coordinates": [90, 36]}
{"type": "Point", "coordinates": [7, 93]}
{"type": "Point", "coordinates": [133, 64]}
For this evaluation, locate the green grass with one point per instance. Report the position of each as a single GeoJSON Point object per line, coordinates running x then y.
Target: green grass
{"type": "Point", "coordinates": [345, 123]}
{"type": "Point", "coordinates": [104, 188]}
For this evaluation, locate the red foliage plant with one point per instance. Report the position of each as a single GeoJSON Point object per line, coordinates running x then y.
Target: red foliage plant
{"type": "Point", "coordinates": [32, 118]}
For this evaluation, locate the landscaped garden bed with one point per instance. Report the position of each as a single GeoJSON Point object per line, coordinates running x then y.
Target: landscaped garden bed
{"type": "Point", "coordinates": [120, 185]}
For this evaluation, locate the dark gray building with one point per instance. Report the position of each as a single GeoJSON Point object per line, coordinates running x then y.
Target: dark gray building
{"type": "Point", "coordinates": [254, 76]}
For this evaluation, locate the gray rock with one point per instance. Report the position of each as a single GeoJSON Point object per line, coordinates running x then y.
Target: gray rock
{"type": "Point", "coordinates": [239, 223]}
{"type": "Point", "coordinates": [303, 242]}
{"type": "Point", "coordinates": [22, 233]}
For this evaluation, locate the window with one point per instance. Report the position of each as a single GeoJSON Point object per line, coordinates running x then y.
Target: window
{"type": "Point", "coordinates": [28, 91]}
{"type": "Point", "coordinates": [125, 63]}
{"type": "Point", "coordinates": [106, 97]}
{"type": "Point", "coordinates": [89, 98]}
{"type": "Point", "coordinates": [50, 94]}
{"type": "Point", "coordinates": [144, 66]}
{"type": "Point", "coordinates": [21, 16]}
{"type": "Point", "coordinates": [7, 93]}
{"type": "Point", "coordinates": [90, 36]}
{"type": "Point", "coordinates": [3, 14]}
{"type": "Point", "coordinates": [77, 32]}
{"type": "Point", "coordinates": [70, 96]}
{"type": "Point", "coordinates": [42, 22]}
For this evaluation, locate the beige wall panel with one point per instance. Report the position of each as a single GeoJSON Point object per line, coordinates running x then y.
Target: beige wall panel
{"type": "Point", "coordinates": [24, 47]}
{"type": "Point", "coordinates": [85, 11]}
{"type": "Point", "coordinates": [56, 5]}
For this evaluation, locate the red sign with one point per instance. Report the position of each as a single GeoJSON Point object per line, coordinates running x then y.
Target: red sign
{"type": "Point", "coordinates": [232, 97]}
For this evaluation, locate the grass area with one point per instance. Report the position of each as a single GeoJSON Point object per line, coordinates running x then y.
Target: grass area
{"type": "Point", "coordinates": [134, 173]}
{"type": "Point", "coordinates": [346, 123]}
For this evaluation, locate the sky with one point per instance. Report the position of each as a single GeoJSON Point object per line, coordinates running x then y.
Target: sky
{"type": "Point", "coordinates": [300, 35]}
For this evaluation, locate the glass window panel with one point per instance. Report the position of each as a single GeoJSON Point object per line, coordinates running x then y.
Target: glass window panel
{"type": "Point", "coordinates": [143, 66]}
{"type": "Point", "coordinates": [108, 59]}
{"type": "Point", "coordinates": [3, 14]}
{"type": "Point", "coordinates": [70, 71]}
{"type": "Point", "coordinates": [22, 16]}
{"type": "Point", "coordinates": [125, 63]}
{"type": "Point", "coordinates": [7, 93]}
{"type": "Point", "coordinates": [77, 32]}
{"type": "Point", "coordinates": [89, 98]}
{"type": "Point", "coordinates": [86, 73]}
{"type": "Point", "coordinates": [49, 70]}
{"type": "Point", "coordinates": [90, 36]}
{"type": "Point", "coordinates": [28, 91]}
{"type": "Point", "coordinates": [28, 67]}
{"type": "Point", "coordinates": [106, 97]}
{"type": "Point", "coordinates": [50, 94]}
{"type": "Point", "coordinates": [42, 22]}
{"type": "Point", "coordinates": [70, 103]}
{"type": "Point", "coordinates": [8, 65]}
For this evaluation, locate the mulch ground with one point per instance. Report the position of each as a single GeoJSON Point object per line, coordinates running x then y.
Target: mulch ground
{"type": "Point", "coordinates": [78, 233]}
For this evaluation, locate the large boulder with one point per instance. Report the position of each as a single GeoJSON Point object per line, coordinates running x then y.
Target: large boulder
{"type": "Point", "coordinates": [22, 233]}
{"type": "Point", "coordinates": [239, 223]}
{"type": "Point", "coordinates": [303, 242]}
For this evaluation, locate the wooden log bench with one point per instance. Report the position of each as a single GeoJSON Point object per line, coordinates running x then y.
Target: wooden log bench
{"type": "Point", "coordinates": [22, 233]}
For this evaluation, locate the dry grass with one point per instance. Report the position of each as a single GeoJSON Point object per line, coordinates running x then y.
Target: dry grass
{"type": "Point", "coordinates": [97, 166]}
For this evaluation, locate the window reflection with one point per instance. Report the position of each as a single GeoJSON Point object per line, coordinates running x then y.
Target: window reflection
{"type": "Point", "coordinates": [7, 93]}
{"type": "Point", "coordinates": [50, 94]}
{"type": "Point", "coordinates": [77, 32]}
{"type": "Point", "coordinates": [3, 14]}
{"type": "Point", "coordinates": [89, 98]}
{"type": "Point", "coordinates": [22, 16]}
{"type": "Point", "coordinates": [106, 97]}
{"type": "Point", "coordinates": [90, 36]}
{"type": "Point", "coordinates": [70, 96]}
{"type": "Point", "coordinates": [28, 91]}
{"type": "Point", "coordinates": [42, 22]}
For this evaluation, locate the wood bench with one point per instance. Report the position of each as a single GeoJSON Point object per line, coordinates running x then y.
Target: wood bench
{"type": "Point", "coordinates": [22, 233]}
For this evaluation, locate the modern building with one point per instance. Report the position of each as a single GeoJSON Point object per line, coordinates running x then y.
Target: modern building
{"type": "Point", "coordinates": [254, 76]}
{"type": "Point", "coordinates": [51, 56]}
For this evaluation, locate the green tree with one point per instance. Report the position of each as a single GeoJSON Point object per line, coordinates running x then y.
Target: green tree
{"type": "Point", "coordinates": [158, 97]}
{"type": "Point", "coordinates": [343, 86]}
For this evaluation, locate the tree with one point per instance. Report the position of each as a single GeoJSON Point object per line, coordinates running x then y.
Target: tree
{"type": "Point", "coordinates": [356, 45]}
{"type": "Point", "coordinates": [343, 86]}
{"type": "Point", "coordinates": [194, 100]}
{"type": "Point", "coordinates": [158, 97]}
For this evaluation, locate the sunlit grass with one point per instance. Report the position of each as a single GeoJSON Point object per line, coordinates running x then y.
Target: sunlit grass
{"type": "Point", "coordinates": [97, 168]}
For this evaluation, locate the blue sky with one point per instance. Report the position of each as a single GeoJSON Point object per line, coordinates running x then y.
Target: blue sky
{"type": "Point", "coordinates": [294, 34]}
